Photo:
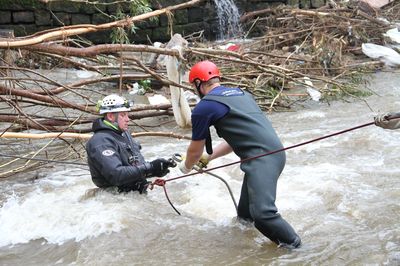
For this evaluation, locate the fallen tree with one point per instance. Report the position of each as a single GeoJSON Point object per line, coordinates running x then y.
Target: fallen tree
{"type": "Point", "coordinates": [295, 48]}
{"type": "Point", "coordinates": [67, 31]}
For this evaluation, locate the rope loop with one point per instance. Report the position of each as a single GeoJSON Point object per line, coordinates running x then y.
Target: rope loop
{"type": "Point", "coordinates": [159, 182]}
{"type": "Point", "coordinates": [162, 182]}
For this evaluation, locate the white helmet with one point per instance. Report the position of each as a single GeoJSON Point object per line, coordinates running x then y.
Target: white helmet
{"type": "Point", "coordinates": [113, 103]}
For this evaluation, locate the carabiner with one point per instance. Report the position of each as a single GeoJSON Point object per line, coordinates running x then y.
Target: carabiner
{"type": "Point", "coordinates": [177, 157]}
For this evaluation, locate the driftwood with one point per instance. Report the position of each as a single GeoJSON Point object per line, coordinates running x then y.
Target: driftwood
{"type": "Point", "coordinates": [64, 32]}
{"type": "Point", "coordinates": [99, 49]}
{"type": "Point", "coordinates": [246, 58]}
{"type": "Point", "coordinates": [299, 43]}
{"type": "Point", "coordinates": [65, 124]}
{"type": "Point", "coordinates": [47, 99]}
{"type": "Point", "coordinates": [65, 135]}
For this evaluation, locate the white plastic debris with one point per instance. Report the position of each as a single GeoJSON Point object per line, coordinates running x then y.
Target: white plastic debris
{"type": "Point", "coordinates": [191, 97]}
{"type": "Point", "coordinates": [393, 34]}
{"type": "Point", "coordinates": [225, 46]}
{"type": "Point", "coordinates": [84, 74]}
{"type": "Point", "coordinates": [137, 89]}
{"type": "Point", "coordinates": [174, 66]}
{"type": "Point", "coordinates": [387, 55]}
{"type": "Point", "coordinates": [153, 56]}
{"type": "Point", "coordinates": [136, 86]}
{"type": "Point", "coordinates": [314, 94]}
{"type": "Point", "coordinates": [158, 99]}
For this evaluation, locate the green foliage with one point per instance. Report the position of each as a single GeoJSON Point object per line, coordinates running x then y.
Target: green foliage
{"type": "Point", "coordinates": [352, 86]}
{"type": "Point", "coordinates": [146, 84]}
{"type": "Point", "coordinates": [136, 7]}
{"type": "Point", "coordinates": [119, 35]}
{"type": "Point", "coordinates": [102, 60]}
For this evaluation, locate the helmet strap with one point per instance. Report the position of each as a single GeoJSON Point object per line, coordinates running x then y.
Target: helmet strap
{"type": "Point", "coordinates": [116, 119]}
{"type": "Point", "coordinates": [113, 125]}
{"type": "Point", "coordinates": [198, 83]}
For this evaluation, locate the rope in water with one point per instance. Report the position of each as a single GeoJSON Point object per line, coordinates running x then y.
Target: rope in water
{"type": "Point", "coordinates": [162, 182]}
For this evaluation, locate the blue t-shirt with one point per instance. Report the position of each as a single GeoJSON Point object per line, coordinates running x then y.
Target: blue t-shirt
{"type": "Point", "coordinates": [207, 113]}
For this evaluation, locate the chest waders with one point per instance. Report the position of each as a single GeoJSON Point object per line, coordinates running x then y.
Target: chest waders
{"type": "Point", "coordinates": [249, 133]}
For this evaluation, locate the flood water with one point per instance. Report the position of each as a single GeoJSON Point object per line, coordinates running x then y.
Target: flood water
{"type": "Point", "coordinates": [341, 194]}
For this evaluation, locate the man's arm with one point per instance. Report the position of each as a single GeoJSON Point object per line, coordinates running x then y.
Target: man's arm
{"type": "Point", "coordinates": [194, 152]}
{"type": "Point", "coordinates": [222, 149]}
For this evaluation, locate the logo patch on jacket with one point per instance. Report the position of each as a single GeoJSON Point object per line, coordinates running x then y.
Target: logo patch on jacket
{"type": "Point", "coordinates": [108, 152]}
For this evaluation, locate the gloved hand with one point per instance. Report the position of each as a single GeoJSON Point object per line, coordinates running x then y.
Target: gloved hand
{"type": "Point", "coordinates": [382, 120]}
{"type": "Point", "coordinates": [202, 163]}
{"type": "Point", "coordinates": [142, 186]}
{"type": "Point", "coordinates": [159, 167]}
{"type": "Point", "coordinates": [204, 160]}
{"type": "Point", "coordinates": [182, 167]}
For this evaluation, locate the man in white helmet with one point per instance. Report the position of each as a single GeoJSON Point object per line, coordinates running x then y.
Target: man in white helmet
{"type": "Point", "coordinates": [114, 157]}
{"type": "Point", "coordinates": [388, 120]}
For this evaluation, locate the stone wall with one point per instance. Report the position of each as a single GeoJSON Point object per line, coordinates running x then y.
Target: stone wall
{"type": "Point", "coordinates": [26, 17]}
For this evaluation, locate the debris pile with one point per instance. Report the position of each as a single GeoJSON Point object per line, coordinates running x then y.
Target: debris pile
{"type": "Point", "coordinates": [293, 55]}
{"type": "Point", "coordinates": [325, 46]}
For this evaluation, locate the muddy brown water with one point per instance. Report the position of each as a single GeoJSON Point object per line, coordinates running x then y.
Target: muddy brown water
{"type": "Point", "coordinates": [341, 194]}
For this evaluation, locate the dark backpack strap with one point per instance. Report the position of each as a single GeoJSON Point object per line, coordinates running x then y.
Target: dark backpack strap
{"type": "Point", "coordinates": [209, 148]}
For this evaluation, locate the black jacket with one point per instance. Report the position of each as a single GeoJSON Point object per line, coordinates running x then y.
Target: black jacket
{"type": "Point", "coordinates": [115, 160]}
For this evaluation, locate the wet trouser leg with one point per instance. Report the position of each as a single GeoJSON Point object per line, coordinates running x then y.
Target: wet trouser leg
{"type": "Point", "coordinates": [261, 176]}
{"type": "Point", "coordinates": [243, 205]}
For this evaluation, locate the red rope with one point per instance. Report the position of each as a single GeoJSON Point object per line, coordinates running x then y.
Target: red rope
{"type": "Point", "coordinates": [272, 152]}
{"type": "Point", "coordinates": [162, 182]}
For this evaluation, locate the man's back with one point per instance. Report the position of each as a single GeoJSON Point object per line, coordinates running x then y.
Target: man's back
{"type": "Point", "coordinates": [245, 127]}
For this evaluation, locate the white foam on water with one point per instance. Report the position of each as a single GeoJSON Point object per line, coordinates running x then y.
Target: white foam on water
{"type": "Point", "coordinates": [310, 114]}
{"type": "Point", "coordinates": [208, 197]}
{"type": "Point", "coordinates": [56, 212]}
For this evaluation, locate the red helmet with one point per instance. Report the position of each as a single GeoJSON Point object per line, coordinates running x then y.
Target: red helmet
{"type": "Point", "coordinates": [204, 71]}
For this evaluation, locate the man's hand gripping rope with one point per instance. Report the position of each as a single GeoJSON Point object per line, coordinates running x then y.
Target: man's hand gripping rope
{"type": "Point", "coordinates": [159, 181]}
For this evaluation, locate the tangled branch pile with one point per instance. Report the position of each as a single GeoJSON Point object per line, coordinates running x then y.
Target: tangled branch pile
{"type": "Point", "coordinates": [294, 48]}
{"type": "Point", "coordinates": [323, 45]}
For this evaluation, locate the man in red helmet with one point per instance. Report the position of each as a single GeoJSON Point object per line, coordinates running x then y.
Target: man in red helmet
{"type": "Point", "coordinates": [247, 132]}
